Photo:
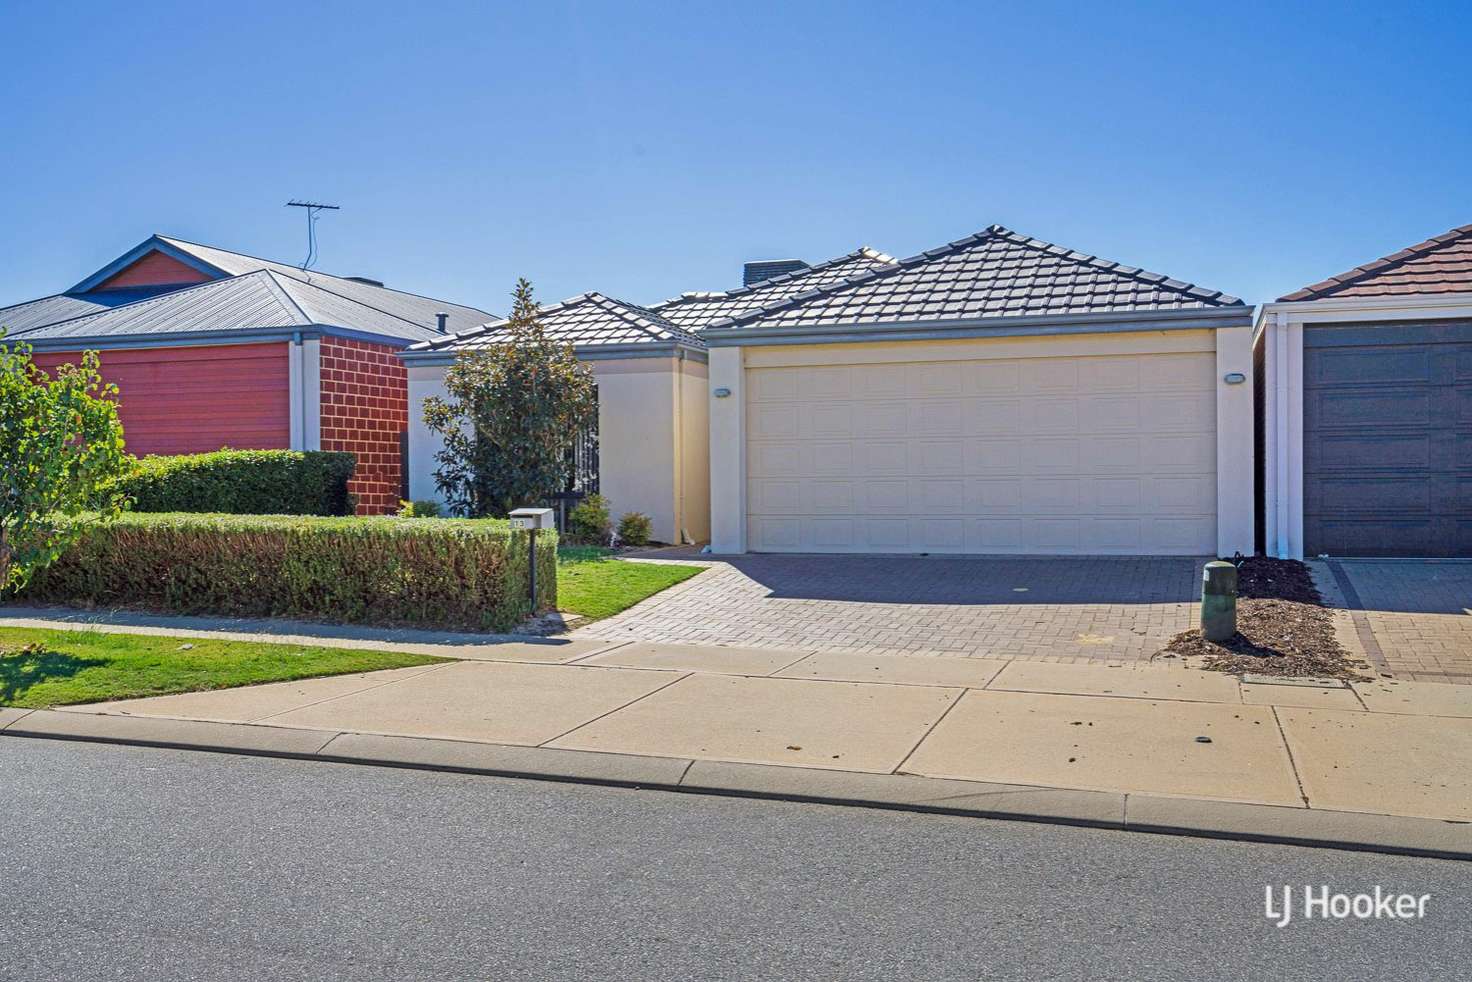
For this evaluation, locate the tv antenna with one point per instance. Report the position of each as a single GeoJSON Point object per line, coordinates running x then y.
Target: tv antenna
{"type": "Point", "coordinates": [313, 209]}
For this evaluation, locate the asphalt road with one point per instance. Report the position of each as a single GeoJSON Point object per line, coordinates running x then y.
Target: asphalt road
{"type": "Point", "coordinates": [129, 863]}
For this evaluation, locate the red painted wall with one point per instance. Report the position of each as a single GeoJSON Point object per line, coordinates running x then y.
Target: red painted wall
{"type": "Point", "coordinates": [365, 406]}
{"type": "Point", "coordinates": [197, 399]}
{"type": "Point", "coordinates": [154, 269]}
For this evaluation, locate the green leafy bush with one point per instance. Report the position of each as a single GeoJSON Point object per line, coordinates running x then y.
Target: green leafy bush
{"type": "Point", "coordinates": [433, 572]}
{"type": "Point", "coordinates": [427, 508]}
{"type": "Point", "coordinates": [589, 523]}
{"type": "Point", "coordinates": [635, 528]}
{"type": "Point", "coordinates": [243, 482]}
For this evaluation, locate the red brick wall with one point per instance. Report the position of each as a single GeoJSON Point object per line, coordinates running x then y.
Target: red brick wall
{"type": "Point", "coordinates": [365, 406]}
{"type": "Point", "coordinates": [154, 269]}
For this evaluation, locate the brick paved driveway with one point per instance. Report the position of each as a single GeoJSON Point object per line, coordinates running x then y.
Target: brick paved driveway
{"type": "Point", "coordinates": [1041, 608]}
{"type": "Point", "coordinates": [1411, 618]}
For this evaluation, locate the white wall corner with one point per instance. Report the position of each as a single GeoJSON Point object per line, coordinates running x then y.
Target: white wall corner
{"type": "Point", "coordinates": [1292, 507]}
{"type": "Point", "coordinates": [1235, 485]}
{"type": "Point", "coordinates": [728, 451]}
{"type": "Point", "coordinates": [312, 394]}
{"type": "Point", "coordinates": [424, 443]}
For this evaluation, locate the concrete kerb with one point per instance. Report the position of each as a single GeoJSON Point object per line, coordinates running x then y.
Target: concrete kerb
{"type": "Point", "coordinates": [896, 792]}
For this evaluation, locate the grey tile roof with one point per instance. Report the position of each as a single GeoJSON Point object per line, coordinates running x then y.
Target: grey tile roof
{"type": "Point", "coordinates": [404, 306]}
{"type": "Point", "coordinates": [253, 301]}
{"type": "Point", "coordinates": [695, 310]}
{"type": "Point", "coordinates": [1441, 264]}
{"type": "Point", "coordinates": [588, 320]}
{"type": "Point", "coordinates": [995, 273]}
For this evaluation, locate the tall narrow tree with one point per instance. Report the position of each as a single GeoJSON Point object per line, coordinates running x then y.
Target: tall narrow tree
{"type": "Point", "coordinates": [512, 411]}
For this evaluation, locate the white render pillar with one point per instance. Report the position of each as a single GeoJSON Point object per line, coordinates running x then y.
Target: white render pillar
{"type": "Point", "coordinates": [1235, 484]}
{"type": "Point", "coordinates": [727, 450]}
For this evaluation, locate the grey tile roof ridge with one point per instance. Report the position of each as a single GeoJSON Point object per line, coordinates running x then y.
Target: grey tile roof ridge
{"type": "Point", "coordinates": [643, 318]}
{"type": "Point", "coordinates": [186, 245]}
{"type": "Point", "coordinates": [991, 232]}
{"type": "Point", "coordinates": [185, 292]}
{"type": "Point", "coordinates": [862, 252]}
{"type": "Point", "coordinates": [640, 317]}
{"type": "Point", "coordinates": [1327, 287]}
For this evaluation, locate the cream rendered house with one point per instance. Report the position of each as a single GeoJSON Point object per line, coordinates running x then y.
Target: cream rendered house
{"type": "Point", "coordinates": [652, 424]}
{"type": "Point", "coordinates": [650, 364]}
{"type": "Point", "coordinates": [996, 395]}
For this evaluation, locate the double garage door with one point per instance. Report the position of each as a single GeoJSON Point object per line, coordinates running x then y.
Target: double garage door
{"type": "Point", "coordinates": [1387, 438]}
{"type": "Point", "coordinates": [1051, 454]}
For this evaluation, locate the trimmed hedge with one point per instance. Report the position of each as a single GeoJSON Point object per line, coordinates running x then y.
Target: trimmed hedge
{"type": "Point", "coordinates": [433, 572]}
{"type": "Point", "coordinates": [243, 482]}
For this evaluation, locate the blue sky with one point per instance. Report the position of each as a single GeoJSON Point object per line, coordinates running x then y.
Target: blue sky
{"type": "Point", "coordinates": [645, 149]}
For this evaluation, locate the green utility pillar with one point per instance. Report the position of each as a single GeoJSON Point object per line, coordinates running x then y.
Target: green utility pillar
{"type": "Point", "coordinates": [1218, 601]}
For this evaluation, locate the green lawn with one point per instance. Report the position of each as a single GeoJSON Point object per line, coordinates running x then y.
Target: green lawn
{"type": "Point", "coordinates": [592, 583]}
{"type": "Point", "coordinates": [54, 668]}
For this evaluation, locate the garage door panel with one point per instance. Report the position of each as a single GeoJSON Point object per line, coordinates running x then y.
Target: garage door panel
{"type": "Point", "coordinates": [1380, 364]}
{"type": "Point", "coordinates": [1388, 439]}
{"type": "Point", "coordinates": [1368, 450]}
{"type": "Point", "coordinates": [1177, 453]}
{"type": "Point", "coordinates": [938, 417]}
{"type": "Point", "coordinates": [1111, 454]}
{"type": "Point", "coordinates": [1350, 405]}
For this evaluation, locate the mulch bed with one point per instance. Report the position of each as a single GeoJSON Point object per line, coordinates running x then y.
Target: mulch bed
{"type": "Point", "coordinates": [1283, 628]}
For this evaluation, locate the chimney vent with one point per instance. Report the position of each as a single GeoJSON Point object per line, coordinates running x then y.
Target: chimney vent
{"type": "Point", "coordinates": [364, 279]}
{"type": "Point", "coordinates": [765, 269]}
{"type": "Point", "coordinates": [442, 319]}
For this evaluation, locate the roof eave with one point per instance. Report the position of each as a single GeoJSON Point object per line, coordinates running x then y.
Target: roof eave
{"type": "Point", "coordinates": [180, 339]}
{"type": "Point", "coordinates": [584, 352]}
{"type": "Point", "coordinates": [1107, 322]}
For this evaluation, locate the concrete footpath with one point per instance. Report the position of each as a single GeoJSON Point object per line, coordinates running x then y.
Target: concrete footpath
{"type": "Point", "coordinates": [1381, 765]}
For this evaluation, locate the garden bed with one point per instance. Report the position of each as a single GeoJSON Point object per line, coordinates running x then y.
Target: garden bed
{"type": "Point", "coordinates": [1283, 628]}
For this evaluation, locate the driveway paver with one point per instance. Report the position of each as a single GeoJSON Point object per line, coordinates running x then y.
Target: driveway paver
{"type": "Point", "coordinates": [1411, 618]}
{"type": "Point", "coordinates": [1102, 744]}
{"type": "Point", "coordinates": [1063, 609]}
{"type": "Point", "coordinates": [840, 725]}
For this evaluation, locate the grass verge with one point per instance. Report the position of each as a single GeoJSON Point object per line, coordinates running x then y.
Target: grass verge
{"type": "Point", "coordinates": [593, 583]}
{"type": "Point", "coordinates": [56, 668]}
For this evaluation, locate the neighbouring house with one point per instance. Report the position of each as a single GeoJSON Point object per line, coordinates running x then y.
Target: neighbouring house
{"type": "Point", "coordinates": [650, 450]}
{"type": "Point", "coordinates": [999, 394]}
{"type": "Point", "coordinates": [214, 349]}
{"type": "Point", "coordinates": [1365, 408]}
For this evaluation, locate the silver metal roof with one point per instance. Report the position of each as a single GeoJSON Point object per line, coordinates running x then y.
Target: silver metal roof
{"type": "Point", "coordinates": [254, 301]}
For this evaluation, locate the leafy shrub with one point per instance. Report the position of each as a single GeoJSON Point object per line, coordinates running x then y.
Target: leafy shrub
{"type": "Point", "coordinates": [589, 523]}
{"type": "Point", "coordinates": [243, 482]}
{"type": "Point", "coordinates": [435, 572]}
{"type": "Point", "coordinates": [427, 508]}
{"type": "Point", "coordinates": [635, 528]}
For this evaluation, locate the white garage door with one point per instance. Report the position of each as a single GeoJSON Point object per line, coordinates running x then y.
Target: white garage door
{"type": "Point", "coordinates": [1090, 455]}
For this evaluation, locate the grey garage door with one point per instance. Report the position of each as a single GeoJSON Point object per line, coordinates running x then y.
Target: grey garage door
{"type": "Point", "coordinates": [1387, 438]}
